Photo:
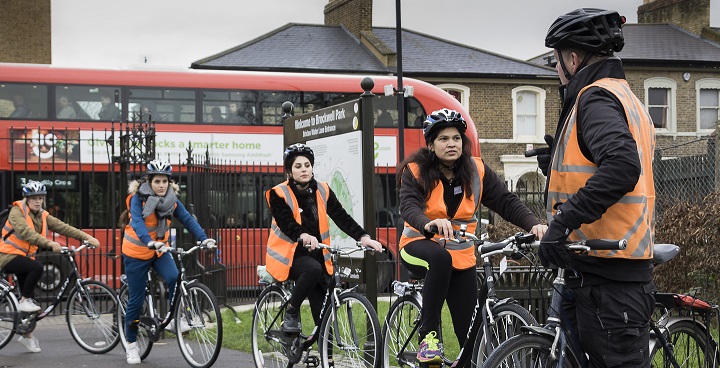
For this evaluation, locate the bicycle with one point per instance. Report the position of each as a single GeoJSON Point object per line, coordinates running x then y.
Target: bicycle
{"type": "Point", "coordinates": [553, 344]}
{"type": "Point", "coordinates": [499, 319]}
{"type": "Point", "coordinates": [90, 314]}
{"type": "Point", "coordinates": [348, 335]}
{"type": "Point", "coordinates": [192, 302]}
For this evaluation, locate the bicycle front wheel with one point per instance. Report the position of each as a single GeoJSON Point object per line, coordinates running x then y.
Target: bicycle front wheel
{"type": "Point", "coordinates": [400, 331]}
{"type": "Point", "coordinates": [527, 350]}
{"type": "Point", "coordinates": [143, 340]}
{"type": "Point", "coordinates": [507, 321]}
{"type": "Point", "coordinates": [8, 310]}
{"type": "Point", "coordinates": [690, 347]}
{"type": "Point", "coordinates": [350, 334]}
{"type": "Point", "coordinates": [268, 352]}
{"type": "Point", "coordinates": [201, 345]}
{"type": "Point", "coordinates": [92, 317]}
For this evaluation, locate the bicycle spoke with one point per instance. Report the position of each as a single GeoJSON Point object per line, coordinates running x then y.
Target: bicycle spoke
{"type": "Point", "coordinates": [91, 317]}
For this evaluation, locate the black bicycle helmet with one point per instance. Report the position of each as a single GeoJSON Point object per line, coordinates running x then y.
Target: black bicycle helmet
{"type": "Point", "coordinates": [297, 149]}
{"type": "Point", "coordinates": [442, 119]}
{"type": "Point", "coordinates": [594, 30]}
{"type": "Point", "coordinates": [32, 188]}
{"type": "Point", "coordinates": [159, 167]}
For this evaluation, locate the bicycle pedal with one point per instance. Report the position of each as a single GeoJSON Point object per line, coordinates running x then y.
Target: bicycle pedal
{"type": "Point", "coordinates": [311, 361]}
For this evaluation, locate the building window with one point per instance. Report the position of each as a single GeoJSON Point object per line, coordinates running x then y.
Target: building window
{"type": "Point", "coordinates": [708, 110]}
{"type": "Point", "coordinates": [660, 102]}
{"type": "Point", "coordinates": [528, 113]}
{"type": "Point", "coordinates": [460, 92]}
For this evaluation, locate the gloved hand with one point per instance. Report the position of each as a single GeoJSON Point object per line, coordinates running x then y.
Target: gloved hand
{"type": "Point", "coordinates": [209, 243]}
{"type": "Point", "coordinates": [56, 247]}
{"type": "Point", "coordinates": [155, 244]}
{"type": "Point", "coordinates": [552, 250]}
{"type": "Point", "coordinates": [543, 157]}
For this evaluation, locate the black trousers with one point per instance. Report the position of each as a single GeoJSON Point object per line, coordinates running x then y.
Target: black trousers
{"type": "Point", "coordinates": [27, 271]}
{"type": "Point", "coordinates": [310, 282]}
{"type": "Point", "coordinates": [612, 322]}
{"type": "Point", "coordinates": [442, 282]}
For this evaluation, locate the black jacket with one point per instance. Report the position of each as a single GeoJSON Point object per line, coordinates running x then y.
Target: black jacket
{"type": "Point", "coordinates": [606, 140]}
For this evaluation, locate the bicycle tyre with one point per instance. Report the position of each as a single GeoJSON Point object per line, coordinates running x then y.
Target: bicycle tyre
{"type": "Point", "coordinates": [508, 318]}
{"type": "Point", "coordinates": [527, 350]}
{"type": "Point", "coordinates": [143, 340]}
{"type": "Point", "coordinates": [401, 319]}
{"type": "Point", "coordinates": [9, 307]}
{"type": "Point", "coordinates": [91, 316]}
{"type": "Point", "coordinates": [268, 315]}
{"type": "Point", "coordinates": [357, 343]}
{"type": "Point", "coordinates": [688, 339]}
{"type": "Point", "coordinates": [201, 310]}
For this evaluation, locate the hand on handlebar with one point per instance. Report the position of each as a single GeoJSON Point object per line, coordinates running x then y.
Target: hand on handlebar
{"type": "Point", "coordinates": [56, 247]}
{"type": "Point", "coordinates": [551, 246]}
{"type": "Point", "coordinates": [159, 246]}
{"type": "Point", "coordinates": [94, 243]}
{"type": "Point", "coordinates": [368, 242]}
{"type": "Point", "coordinates": [444, 227]}
{"type": "Point", "coordinates": [209, 243]}
{"type": "Point", "coordinates": [309, 241]}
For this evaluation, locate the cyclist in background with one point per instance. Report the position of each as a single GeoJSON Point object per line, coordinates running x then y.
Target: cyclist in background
{"type": "Point", "coordinates": [300, 207]}
{"type": "Point", "coordinates": [27, 229]}
{"type": "Point", "coordinates": [600, 186]}
{"type": "Point", "coordinates": [442, 185]}
{"type": "Point", "coordinates": [151, 203]}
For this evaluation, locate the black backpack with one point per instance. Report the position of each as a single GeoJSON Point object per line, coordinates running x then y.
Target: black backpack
{"type": "Point", "coordinates": [3, 219]}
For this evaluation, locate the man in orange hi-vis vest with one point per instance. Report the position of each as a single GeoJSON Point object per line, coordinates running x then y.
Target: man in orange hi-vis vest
{"type": "Point", "coordinates": [600, 185]}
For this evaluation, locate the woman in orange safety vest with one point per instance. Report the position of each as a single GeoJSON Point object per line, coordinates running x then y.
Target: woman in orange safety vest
{"type": "Point", "coordinates": [300, 207]}
{"type": "Point", "coordinates": [443, 186]}
{"type": "Point", "coordinates": [27, 229]}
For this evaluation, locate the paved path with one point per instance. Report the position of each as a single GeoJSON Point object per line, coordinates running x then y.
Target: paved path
{"type": "Point", "coordinates": [60, 350]}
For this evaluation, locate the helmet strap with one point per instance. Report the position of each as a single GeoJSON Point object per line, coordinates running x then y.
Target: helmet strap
{"type": "Point", "coordinates": [561, 60]}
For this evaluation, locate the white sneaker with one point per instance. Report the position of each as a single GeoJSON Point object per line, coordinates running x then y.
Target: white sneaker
{"type": "Point", "coordinates": [132, 353]}
{"type": "Point", "coordinates": [184, 326]}
{"type": "Point", "coordinates": [31, 344]}
{"type": "Point", "coordinates": [28, 305]}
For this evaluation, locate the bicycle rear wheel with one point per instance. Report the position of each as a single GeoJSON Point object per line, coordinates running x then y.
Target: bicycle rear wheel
{"type": "Point", "coordinates": [8, 310]}
{"type": "Point", "coordinates": [350, 334]}
{"type": "Point", "coordinates": [201, 345]}
{"type": "Point", "coordinates": [266, 320]}
{"type": "Point", "coordinates": [690, 347]}
{"type": "Point", "coordinates": [400, 329]}
{"type": "Point", "coordinates": [527, 350]}
{"type": "Point", "coordinates": [508, 318]}
{"type": "Point", "coordinates": [143, 340]}
{"type": "Point", "coordinates": [92, 317]}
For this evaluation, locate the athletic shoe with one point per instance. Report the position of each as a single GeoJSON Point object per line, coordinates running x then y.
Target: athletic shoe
{"type": "Point", "coordinates": [28, 305]}
{"type": "Point", "coordinates": [184, 326]}
{"type": "Point", "coordinates": [430, 349]}
{"type": "Point", "coordinates": [31, 344]}
{"type": "Point", "coordinates": [132, 353]}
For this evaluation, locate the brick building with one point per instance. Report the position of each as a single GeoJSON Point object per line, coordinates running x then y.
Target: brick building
{"type": "Point", "coordinates": [25, 31]}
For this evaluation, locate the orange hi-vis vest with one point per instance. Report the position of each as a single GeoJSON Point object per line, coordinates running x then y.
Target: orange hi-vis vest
{"type": "Point", "coordinates": [14, 245]}
{"type": "Point", "coordinates": [633, 216]}
{"type": "Point", "coordinates": [463, 254]}
{"type": "Point", "coordinates": [132, 246]}
{"type": "Point", "coordinates": [280, 248]}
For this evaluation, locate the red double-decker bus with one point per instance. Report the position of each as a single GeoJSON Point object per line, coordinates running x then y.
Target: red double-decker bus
{"type": "Point", "coordinates": [55, 126]}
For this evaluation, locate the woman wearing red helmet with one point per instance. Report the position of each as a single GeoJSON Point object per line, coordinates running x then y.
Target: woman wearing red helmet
{"type": "Point", "coordinates": [443, 186]}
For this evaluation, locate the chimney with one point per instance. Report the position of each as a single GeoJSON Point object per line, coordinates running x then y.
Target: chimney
{"type": "Point", "coordinates": [691, 15]}
{"type": "Point", "coordinates": [354, 15]}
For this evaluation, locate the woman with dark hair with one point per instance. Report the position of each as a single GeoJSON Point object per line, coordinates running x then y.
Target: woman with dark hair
{"type": "Point", "coordinates": [442, 186]}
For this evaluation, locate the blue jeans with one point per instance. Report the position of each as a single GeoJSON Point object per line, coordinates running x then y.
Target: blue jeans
{"type": "Point", "coordinates": [136, 271]}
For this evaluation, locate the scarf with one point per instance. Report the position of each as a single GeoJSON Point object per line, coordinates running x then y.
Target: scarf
{"type": "Point", "coordinates": [162, 206]}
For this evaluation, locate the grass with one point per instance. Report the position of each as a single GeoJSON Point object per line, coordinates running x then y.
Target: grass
{"type": "Point", "coordinates": [236, 336]}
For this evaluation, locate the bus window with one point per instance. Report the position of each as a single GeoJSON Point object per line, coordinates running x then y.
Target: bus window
{"type": "Point", "coordinates": [415, 113]}
{"type": "Point", "coordinates": [23, 101]}
{"type": "Point", "coordinates": [87, 103]}
{"type": "Point", "coordinates": [166, 105]}
{"type": "Point", "coordinates": [230, 107]}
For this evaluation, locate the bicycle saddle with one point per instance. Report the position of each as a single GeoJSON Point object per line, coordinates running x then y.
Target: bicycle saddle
{"type": "Point", "coordinates": [664, 252]}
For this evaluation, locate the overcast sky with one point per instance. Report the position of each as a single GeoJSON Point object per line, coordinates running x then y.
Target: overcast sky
{"type": "Point", "coordinates": [175, 33]}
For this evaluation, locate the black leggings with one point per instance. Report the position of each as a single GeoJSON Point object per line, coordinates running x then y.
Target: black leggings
{"type": "Point", "coordinates": [310, 283]}
{"type": "Point", "coordinates": [442, 282]}
{"type": "Point", "coordinates": [27, 271]}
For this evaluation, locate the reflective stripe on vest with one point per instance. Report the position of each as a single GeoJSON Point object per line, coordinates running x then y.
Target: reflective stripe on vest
{"type": "Point", "coordinates": [12, 243]}
{"type": "Point", "coordinates": [463, 254]}
{"type": "Point", "coordinates": [132, 246]}
{"type": "Point", "coordinates": [633, 216]}
{"type": "Point", "coordinates": [280, 248]}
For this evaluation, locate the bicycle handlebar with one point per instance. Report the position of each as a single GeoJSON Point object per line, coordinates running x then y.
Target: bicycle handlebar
{"type": "Point", "coordinates": [340, 251]}
{"type": "Point", "coordinates": [72, 249]}
{"type": "Point", "coordinates": [165, 248]}
{"type": "Point", "coordinates": [597, 244]}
